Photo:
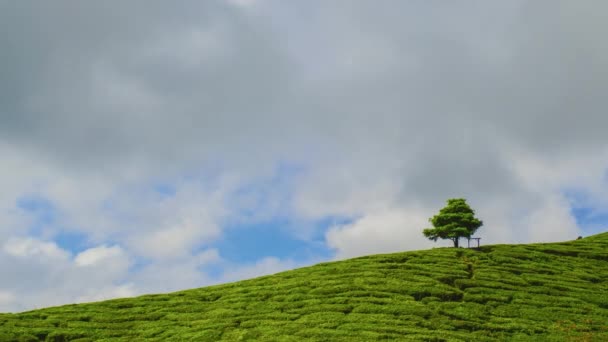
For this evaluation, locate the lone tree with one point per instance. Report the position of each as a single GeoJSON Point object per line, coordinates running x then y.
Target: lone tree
{"type": "Point", "coordinates": [454, 221]}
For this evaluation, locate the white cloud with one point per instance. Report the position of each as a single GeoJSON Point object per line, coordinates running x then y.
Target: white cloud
{"type": "Point", "coordinates": [174, 274]}
{"type": "Point", "coordinates": [6, 298]}
{"type": "Point", "coordinates": [170, 227]}
{"type": "Point", "coordinates": [177, 273]}
{"type": "Point", "coordinates": [110, 292]}
{"type": "Point", "coordinates": [95, 256]}
{"type": "Point", "coordinates": [40, 273]}
{"type": "Point", "coordinates": [551, 222]}
{"type": "Point", "coordinates": [208, 257]}
{"type": "Point", "coordinates": [31, 248]}
{"type": "Point", "coordinates": [390, 230]}
{"type": "Point", "coordinates": [174, 241]}
{"type": "Point", "coordinates": [348, 188]}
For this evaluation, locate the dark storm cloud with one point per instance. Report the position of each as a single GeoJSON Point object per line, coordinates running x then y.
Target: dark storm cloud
{"type": "Point", "coordinates": [172, 82]}
{"type": "Point", "coordinates": [440, 91]}
{"type": "Point", "coordinates": [459, 85]}
{"type": "Point", "coordinates": [104, 82]}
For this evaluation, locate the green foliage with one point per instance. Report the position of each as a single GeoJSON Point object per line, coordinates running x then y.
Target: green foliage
{"type": "Point", "coordinates": [536, 292]}
{"type": "Point", "coordinates": [454, 221]}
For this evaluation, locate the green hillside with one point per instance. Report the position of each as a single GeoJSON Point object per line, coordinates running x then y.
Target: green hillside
{"type": "Point", "coordinates": [535, 292]}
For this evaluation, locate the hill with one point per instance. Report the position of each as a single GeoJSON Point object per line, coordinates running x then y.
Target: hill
{"type": "Point", "coordinates": [534, 292]}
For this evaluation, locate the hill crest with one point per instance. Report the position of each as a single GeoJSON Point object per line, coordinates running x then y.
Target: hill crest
{"type": "Point", "coordinates": [541, 291]}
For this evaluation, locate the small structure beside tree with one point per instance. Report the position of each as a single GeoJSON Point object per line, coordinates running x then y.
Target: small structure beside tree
{"type": "Point", "coordinates": [454, 221]}
{"type": "Point", "coordinates": [473, 238]}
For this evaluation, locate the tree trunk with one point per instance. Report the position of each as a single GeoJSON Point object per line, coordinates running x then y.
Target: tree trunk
{"type": "Point", "coordinates": [455, 242]}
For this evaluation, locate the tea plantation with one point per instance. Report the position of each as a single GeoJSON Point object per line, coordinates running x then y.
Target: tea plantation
{"type": "Point", "coordinates": [535, 292]}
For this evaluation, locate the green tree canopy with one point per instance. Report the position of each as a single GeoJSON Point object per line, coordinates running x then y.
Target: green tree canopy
{"type": "Point", "coordinates": [454, 221]}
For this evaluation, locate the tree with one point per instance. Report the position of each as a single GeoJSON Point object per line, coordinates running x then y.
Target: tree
{"type": "Point", "coordinates": [454, 221]}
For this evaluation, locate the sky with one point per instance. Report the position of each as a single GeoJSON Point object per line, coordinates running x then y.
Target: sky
{"type": "Point", "coordinates": [155, 146]}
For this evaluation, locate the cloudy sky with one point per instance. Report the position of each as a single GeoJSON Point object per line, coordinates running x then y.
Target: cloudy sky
{"type": "Point", "coordinates": [153, 146]}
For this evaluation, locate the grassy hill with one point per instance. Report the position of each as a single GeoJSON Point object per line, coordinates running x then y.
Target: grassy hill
{"type": "Point", "coordinates": [535, 292]}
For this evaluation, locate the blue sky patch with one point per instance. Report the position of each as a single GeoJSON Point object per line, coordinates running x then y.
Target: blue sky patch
{"type": "Point", "coordinates": [251, 242]}
{"type": "Point", "coordinates": [165, 190]}
{"type": "Point", "coordinates": [247, 242]}
{"type": "Point", "coordinates": [72, 241]}
{"type": "Point", "coordinates": [591, 220]}
{"type": "Point", "coordinates": [214, 270]}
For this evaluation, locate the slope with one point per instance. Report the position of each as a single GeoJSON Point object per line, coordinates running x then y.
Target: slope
{"type": "Point", "coordinates": [549, 292]}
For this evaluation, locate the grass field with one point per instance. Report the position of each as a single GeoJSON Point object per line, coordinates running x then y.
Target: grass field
{"type": "Point", "coordinates": [535, 292]}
